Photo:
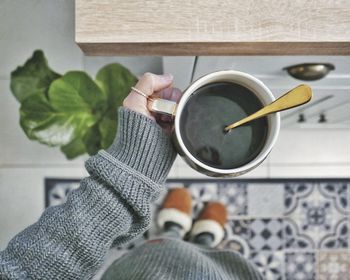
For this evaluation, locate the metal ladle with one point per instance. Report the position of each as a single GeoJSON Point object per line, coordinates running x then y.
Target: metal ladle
{"type": "Point", "coordinates": [293, 98]}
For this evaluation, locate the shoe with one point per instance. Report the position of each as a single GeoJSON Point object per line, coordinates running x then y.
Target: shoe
{"type": "Point", "coordinates": [176, 209]}
{"type": "Point", "coordinates": [211, 220]}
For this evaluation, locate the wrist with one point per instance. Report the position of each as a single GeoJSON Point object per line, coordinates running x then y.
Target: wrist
{"type": "Point", "coordinates": [142, 145]}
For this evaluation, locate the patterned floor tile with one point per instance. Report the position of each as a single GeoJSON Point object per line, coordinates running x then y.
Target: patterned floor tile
{"type": "Point", "coordinates": [266, 234]}
{"type": "Point", "coordinates": [339, 193]}
{"type": "Point", "coordinates": [337, 239]}
{"type": "Point", "coordinates": [316, 215]}
{"type": "Point", "coordinates": [293, 192]}
{"type": "Point", "coordinates": [333, 265]}
{"type": "Point", "coordinates": [247, 235]}
{"type": "Point", "coordinates": [300, 266]}
{"type": "Point", "coordinates": [265, 200]}
{"type": "Point", "coordinates": [236, 244]}
{"type": "Point", "coordinates": [270, 264]}
{"type": "Point", "coordinates": [281, 232]}
{"type": "Point", "coordinates": [201, 194]}
{"type": "Point", "coordinates": [293, 238]}
{"type": "Point", "coordinates": [234, 196]}
{"type": "Point", "coordinates": [237, 236]}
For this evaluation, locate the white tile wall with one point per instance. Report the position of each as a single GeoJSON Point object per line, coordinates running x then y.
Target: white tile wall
{"type": "Point", "coordinates": [312, 170]}
{"type": "Point", "coordinates": [24, 27]}
{"type": "Point", "coordinates": [181, 67]}
{"type": "Point", "coordinates": [27, 25]}
{"type": "Point", "coordinates": [136, 64]}
{"type": "Point", "coordinates": [313, 146]}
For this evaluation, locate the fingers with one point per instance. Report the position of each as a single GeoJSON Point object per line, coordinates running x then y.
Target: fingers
{"type": "Point", "coordinates": [176, 95]}
{"type": "Point", "coordinates": [150, 83]}
{"type": "Point", "coordinates": [169, 93]}
{"type": "Point", "coordinates": [157, 86]}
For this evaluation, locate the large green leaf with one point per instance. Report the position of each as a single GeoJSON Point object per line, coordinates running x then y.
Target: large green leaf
{"type": "Point", "coordinates": [116, 81]}
{"type": "Point", "coordinates": [108, 129]}
{"type": "Point", "coordinates": [92, 140]}
{"type": "Point", "coordinates": [90, 143]}
{"type": "Point", "coordinates": [75, 104]}
{"type": "Point", "coordinates": [75, 92]}
{"type": "Point", "coordinates": [34, 111]}
{"type": "Point", "coordinates": [74, 148]}
{"type": "Point", "coordinates": [33, 77]}
{"type": "Point", "coordinates": [41, 122]}
{"type": "Point", "coordinates": [71, 111]}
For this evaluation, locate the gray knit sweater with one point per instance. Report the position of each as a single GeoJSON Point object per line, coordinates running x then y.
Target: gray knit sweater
{"type": "Point", "coordinates": [111, 207]}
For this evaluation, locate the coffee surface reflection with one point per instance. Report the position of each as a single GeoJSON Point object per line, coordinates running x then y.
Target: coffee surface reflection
{"type": "Point", "coordinates": [204, 117]}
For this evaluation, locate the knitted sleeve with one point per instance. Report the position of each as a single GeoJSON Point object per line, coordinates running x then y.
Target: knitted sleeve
{"type": "Point", "coordinates": [112, 205]}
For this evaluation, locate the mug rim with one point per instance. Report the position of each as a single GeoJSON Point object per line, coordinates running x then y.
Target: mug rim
{"type": "Point", "coordinates": [274, 130]}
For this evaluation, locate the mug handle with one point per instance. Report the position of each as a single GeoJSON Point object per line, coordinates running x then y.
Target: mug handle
{"type": "Point", "coordinates": [162, 106]}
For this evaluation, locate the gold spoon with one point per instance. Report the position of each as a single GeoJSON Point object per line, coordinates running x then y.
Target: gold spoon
{"type": "Point", "coordinates": [293, 98]}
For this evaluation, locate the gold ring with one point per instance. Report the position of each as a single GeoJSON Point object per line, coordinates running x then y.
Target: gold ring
{"type": "Point", "coordinates": [139, 92]}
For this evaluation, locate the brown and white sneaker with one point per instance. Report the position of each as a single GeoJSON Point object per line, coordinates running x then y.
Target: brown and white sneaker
{"type": "Point", "coordinates": [176, 209]}
{"type": "Point", "coordinates": [211, 220]}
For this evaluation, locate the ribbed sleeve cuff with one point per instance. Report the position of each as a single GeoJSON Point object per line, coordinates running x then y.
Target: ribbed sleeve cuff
{"type": "Point", "coordinates": [142, 145]}
{"type": "Point", "coordinates": [138, 161]}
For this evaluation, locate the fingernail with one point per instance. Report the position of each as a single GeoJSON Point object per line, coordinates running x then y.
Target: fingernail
{"type": "Point", "coordinates": [167, 77]}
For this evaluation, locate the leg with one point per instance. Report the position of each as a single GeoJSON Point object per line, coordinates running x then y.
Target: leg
{"type": "Point", "coordinates": [172, 230]}
{"type": "Point", "coordinates": [206, 239]}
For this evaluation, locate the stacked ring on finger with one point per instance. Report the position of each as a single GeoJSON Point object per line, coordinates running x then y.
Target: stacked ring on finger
{"type": "Point", "coordinates": [140, 92]}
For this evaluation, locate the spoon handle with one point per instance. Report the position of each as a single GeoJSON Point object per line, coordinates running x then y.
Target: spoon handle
{"type": "Point", "coordinates": [293, 98]}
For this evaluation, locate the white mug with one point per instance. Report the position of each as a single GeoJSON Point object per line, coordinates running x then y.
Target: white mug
{"type": "Point", "coordinates": [248, 81]}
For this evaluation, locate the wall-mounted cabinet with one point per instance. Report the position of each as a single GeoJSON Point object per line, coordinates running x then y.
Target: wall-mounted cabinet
{"type": "Point", "coordinates": [207, 27]}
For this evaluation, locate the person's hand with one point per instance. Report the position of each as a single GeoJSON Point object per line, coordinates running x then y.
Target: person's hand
{"type": "Point", "coordinates": [155, 86]}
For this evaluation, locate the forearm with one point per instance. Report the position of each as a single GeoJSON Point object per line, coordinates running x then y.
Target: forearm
{"type": "Point", "coordinates": [69, 241]}
{"type": "Point", "coordinates": [112, 205]}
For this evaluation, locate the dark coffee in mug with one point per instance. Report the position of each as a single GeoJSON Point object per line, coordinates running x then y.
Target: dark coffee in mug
{"type": "Point", "coordinates": [208, 111]}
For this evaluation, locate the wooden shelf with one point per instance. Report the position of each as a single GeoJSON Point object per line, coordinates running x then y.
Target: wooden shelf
{"type": "Point", "coordinates": [207, 27]}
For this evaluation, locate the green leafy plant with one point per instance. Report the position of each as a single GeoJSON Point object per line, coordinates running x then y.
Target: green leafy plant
{"type": "Point", "coordinates": [72, 111]}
